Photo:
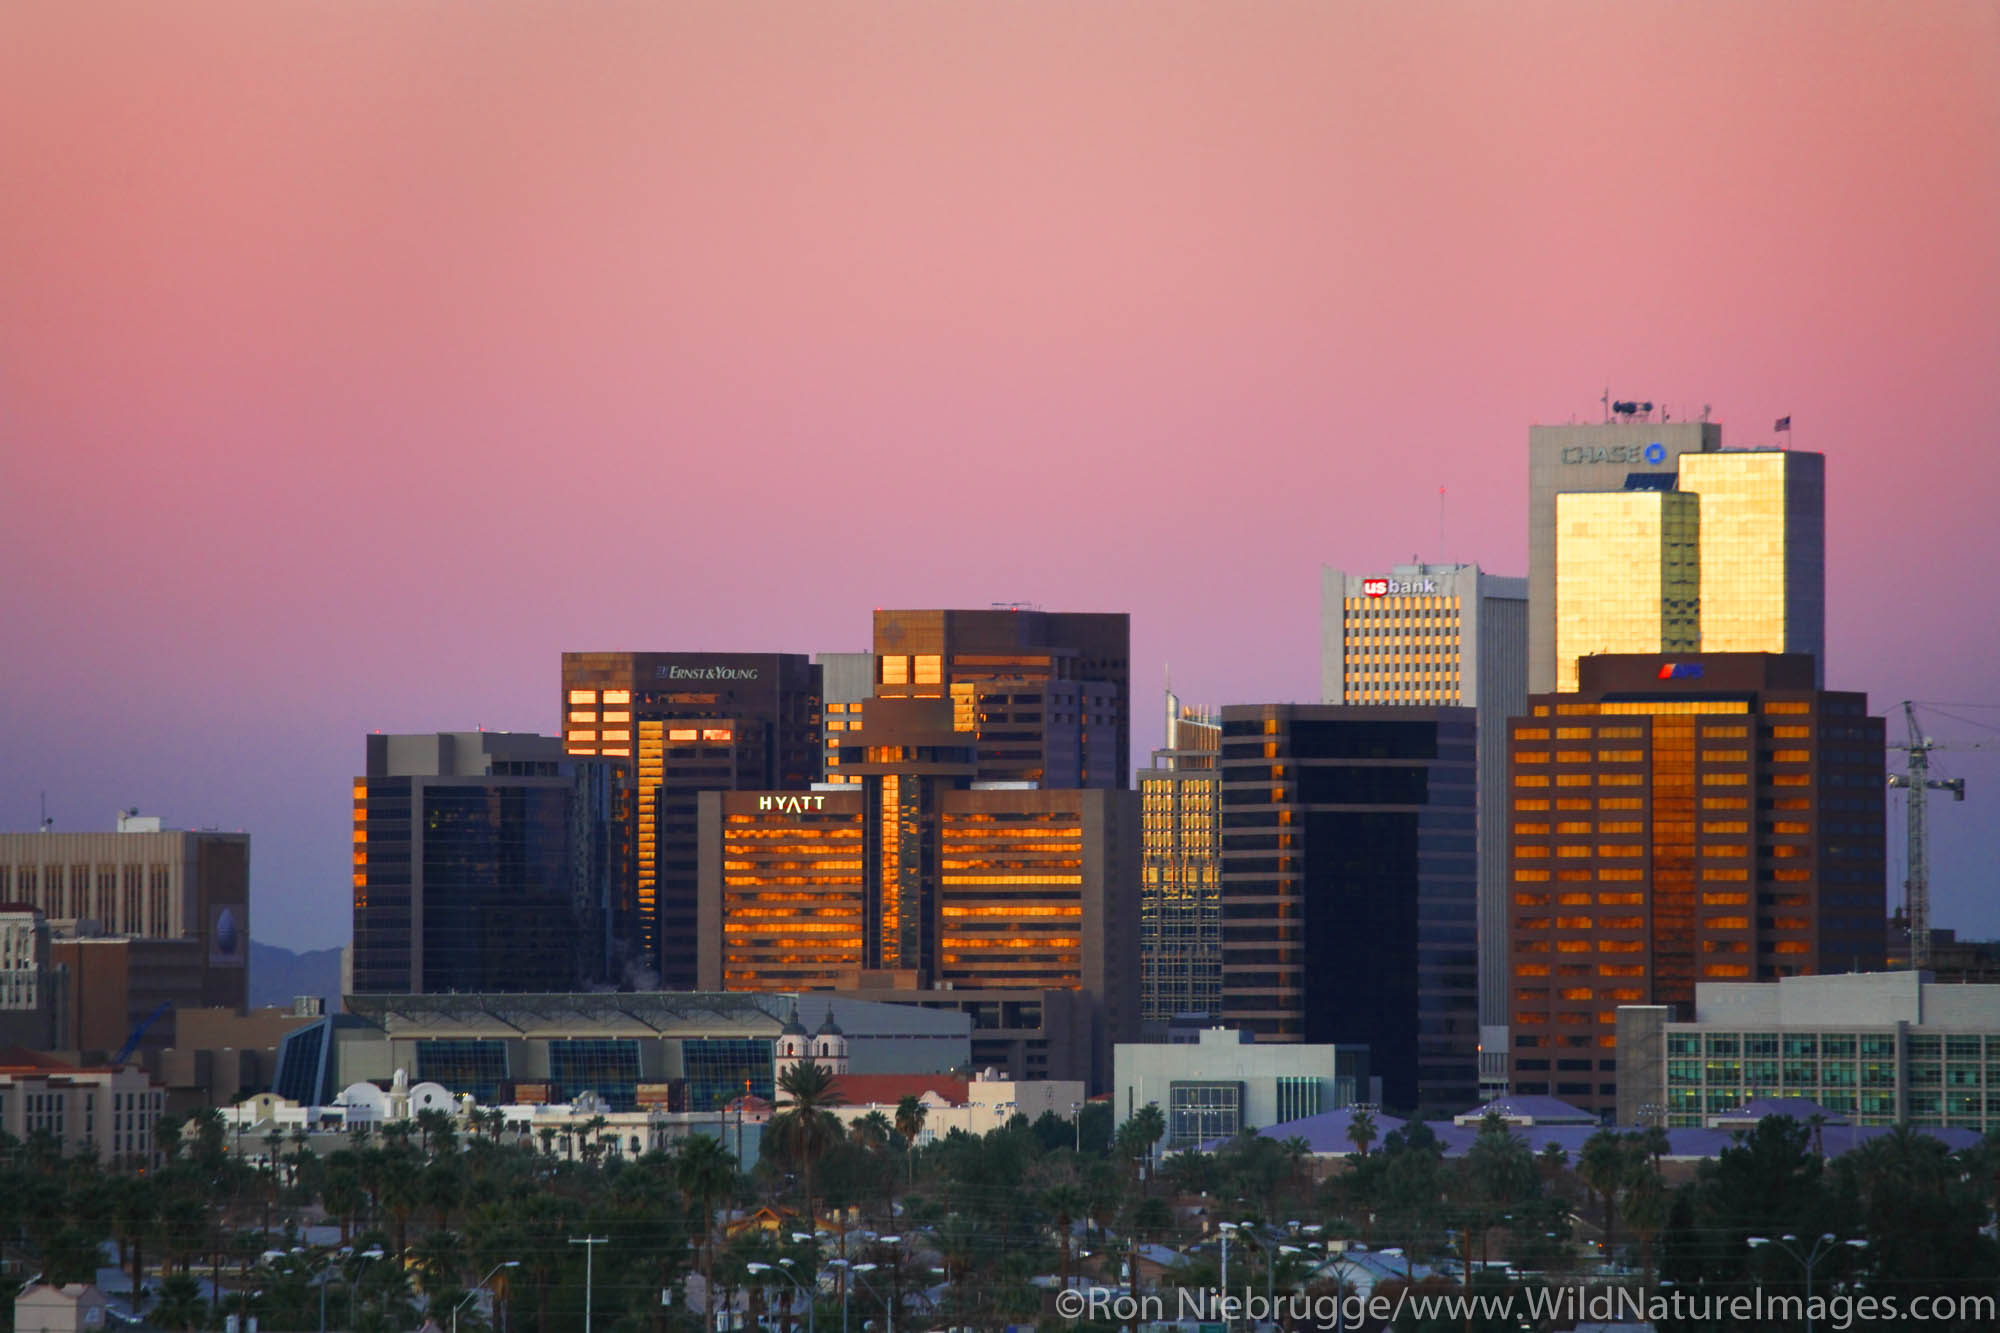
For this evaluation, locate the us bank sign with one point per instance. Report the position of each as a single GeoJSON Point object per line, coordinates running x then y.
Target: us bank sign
{"type": "Point", "coordinates": [791, 805]}
{"type": "Point", "coordinates": [1383, 587]}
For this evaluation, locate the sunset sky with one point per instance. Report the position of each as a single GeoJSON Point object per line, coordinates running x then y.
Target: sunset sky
{"type": "Point", "coordinates": [357, 359]}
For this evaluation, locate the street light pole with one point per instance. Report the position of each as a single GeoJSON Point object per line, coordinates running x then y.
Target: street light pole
{"type": "Point", "coordinates": [590, 1244]}
{"type": "Point", "coordinates": [1225, 1228]}
{"type": "Point", "coordinates": [1824, 1244]}
{"type": "Point", "coordinates": [784, 1270]}
{"type": "Point", "coordinates": [510, 1263]}
{"type": "Point", "coordinates": [890, 1310]}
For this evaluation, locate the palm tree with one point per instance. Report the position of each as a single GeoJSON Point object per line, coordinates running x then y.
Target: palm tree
{"type": "Point", "coordinates": [805, 1130]}
{"type": "Point", "coordinates": [134, 1207]}
{"type": "Point", "coordinates": [1068, 1203]}
{"type": "Point", "coordinates": [181, 1306]}
{"type": "Point", "coordinates": [910, 1113]}
{"type": "Point", "coordinates": [1361, 1131]}
{"type": "Point", "coordinates": [704, 1171]}
{"type": "Point", "coordinates": [1602, 1166]}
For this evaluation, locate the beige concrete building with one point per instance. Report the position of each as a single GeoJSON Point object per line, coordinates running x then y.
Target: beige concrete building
{"type": "Point", "coordinates": [29, 1012]}
{"type": "Point", "coordinates": [76, 1308]}
{"type": "Point", "coordinates": [115, 1111]}
{"type": "Point", "coordinates": [143, 882]}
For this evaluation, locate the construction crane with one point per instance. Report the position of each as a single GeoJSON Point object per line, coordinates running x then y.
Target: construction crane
{"type": "Point", "coordinates": [1917, 781]}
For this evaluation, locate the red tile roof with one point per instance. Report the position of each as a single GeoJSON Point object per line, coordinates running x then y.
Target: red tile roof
{"type": "Point", "coordinates": [888, 1089]}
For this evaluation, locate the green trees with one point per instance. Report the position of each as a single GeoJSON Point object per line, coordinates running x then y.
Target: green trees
{"type": "Point", "coordinates": [804, 1129]}
{"type": "Point", "coordinates": [705, 1174]}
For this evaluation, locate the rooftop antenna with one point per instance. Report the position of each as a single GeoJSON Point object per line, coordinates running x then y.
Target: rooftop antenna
{"type": "Point", "coordinates": [1440, 524]}
{"type": "Point", "coordinates": [47, 823]}
{"type": "Point", "coordinates": [1606, 400]}
{"type": "Point", "coordinates": [1704, 412]}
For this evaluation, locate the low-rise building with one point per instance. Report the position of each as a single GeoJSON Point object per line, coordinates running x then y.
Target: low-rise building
{"type": "Point", "coordinates": [1227, 1083]}
{"type": "Point", "coordinates": [1882, 1048]}
{"type": "Point", "coordinates": [76, 1308]}
{"type": "Point", "coordinates": [114, 1112]}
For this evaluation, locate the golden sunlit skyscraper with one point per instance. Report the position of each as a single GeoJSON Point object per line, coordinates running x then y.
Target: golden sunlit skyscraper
{"type": "Point", "coordinates": [1763, 550]}
{"type": "Point", "coordinates": [1628, 575]}
{"type": "Point", "coordinates": [1180, 870]}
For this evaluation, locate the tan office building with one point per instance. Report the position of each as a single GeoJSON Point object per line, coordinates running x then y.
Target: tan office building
{"type": "Point", "coordinates": [146, 884]}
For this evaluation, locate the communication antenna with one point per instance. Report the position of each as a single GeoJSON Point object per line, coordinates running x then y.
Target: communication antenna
{"type": "Point", "coordinates": [47, 823]}
{"type": "Point", "coordinates": [1440, 554]}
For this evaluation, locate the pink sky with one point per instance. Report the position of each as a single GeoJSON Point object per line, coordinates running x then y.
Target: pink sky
{"type": "Point", "coordinates": [357, 359]}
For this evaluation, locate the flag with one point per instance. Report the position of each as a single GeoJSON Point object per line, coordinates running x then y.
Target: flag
{"type": "Point", "coordinates": [1783, 423]}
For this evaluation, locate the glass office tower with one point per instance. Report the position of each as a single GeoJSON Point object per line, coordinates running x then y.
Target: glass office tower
{"type": "Point", "coordinates": [1180, 870]}
{"type": "Point", "coordinates": [1763, 551]}
{"type": "Point", "coordinates": [1628, 575]}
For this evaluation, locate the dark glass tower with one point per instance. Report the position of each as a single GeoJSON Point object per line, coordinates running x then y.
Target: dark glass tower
{"type": "Point", "coordinates": [1349, 872]}
{"type": "Point", "coordinates": [482, 863]}
{"type": "Point", "coordinates": [686, 723]}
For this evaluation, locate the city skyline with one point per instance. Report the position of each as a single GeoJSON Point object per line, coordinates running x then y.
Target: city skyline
{"type": "Point", "coordinates": [360, 365]}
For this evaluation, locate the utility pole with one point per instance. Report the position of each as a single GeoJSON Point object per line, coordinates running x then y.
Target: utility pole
{"type": "Point", "coordinates": [590, 1244]}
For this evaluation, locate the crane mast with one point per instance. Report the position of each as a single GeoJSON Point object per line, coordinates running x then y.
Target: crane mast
{"type": "Point", "coordinates": [1917, 780]}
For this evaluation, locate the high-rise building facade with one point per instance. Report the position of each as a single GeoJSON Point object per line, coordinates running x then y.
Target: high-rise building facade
{"type": "Point", "coordinates": [1681, 819]}
{"type": "Point", "coordinates": [1180, 870]}
{"type": "Point", "coordinates": [483, 861]}
{"type": "Point", "coordinates": [148, 883]}
{"type": "Point", "coordinates": [1600, 456]}
{"type": "Point", "coordinates": [1628, 575]}
{"type": "Point", "coordinates": [1047, 694]}
{"type": "Point", "coordinates": [687, 723]}
{"type": "Point", "coordinates": [1349, 903]}
{"type": "Point", "coordinates": [1450, 635]}
{"type": "Point", "coordinates": [914, 878]}
{"type": "Point", "coordinates": [1763, 550]}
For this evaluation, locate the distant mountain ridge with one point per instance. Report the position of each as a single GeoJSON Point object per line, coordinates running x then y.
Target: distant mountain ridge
{"type": "Point", "coordinates": [278, 975]}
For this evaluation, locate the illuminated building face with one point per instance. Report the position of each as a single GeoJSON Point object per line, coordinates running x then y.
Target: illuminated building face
{"type": "Point", "coordinates": [1628, 575]}
{"type": "Point", "coordinates": [794, 901]}
{"type": "Point", "coordinates": [1674, 823]}
{"type": "Point", "coordinates": [906, 874]}
{"type": "Point", "coordinates": [1763, 550]}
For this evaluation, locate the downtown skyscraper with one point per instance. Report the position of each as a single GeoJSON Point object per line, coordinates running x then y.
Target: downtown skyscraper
{"type": "Point", "coordinates": [1451, 635]}
{"type": "Point", "coordinates": [687, 723]}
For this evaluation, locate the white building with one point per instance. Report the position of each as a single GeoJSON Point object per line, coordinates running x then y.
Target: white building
{"type": "Point", "coordinates": [1883, 1048]}
{"type": "Point", "coordinates": [1226, 1083]}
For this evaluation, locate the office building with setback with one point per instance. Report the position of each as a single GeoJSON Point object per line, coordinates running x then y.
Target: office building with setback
{"type": "Point", "coordinates": [483, 861]}
{"type": "Point", "coordinates": [1679, 820]}
{"type": "Point", "coordinates": [1445, 634]}
{"type": "Point", "coordinates": [685, 723]}
{"type": "Point", "coordinates": [1349, 865]}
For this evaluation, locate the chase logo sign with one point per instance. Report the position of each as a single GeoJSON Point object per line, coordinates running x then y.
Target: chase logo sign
{"type": "Point", "coordinates": [1680, 671]}
{"type": "Point", "coordinates": [1654, 453]}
